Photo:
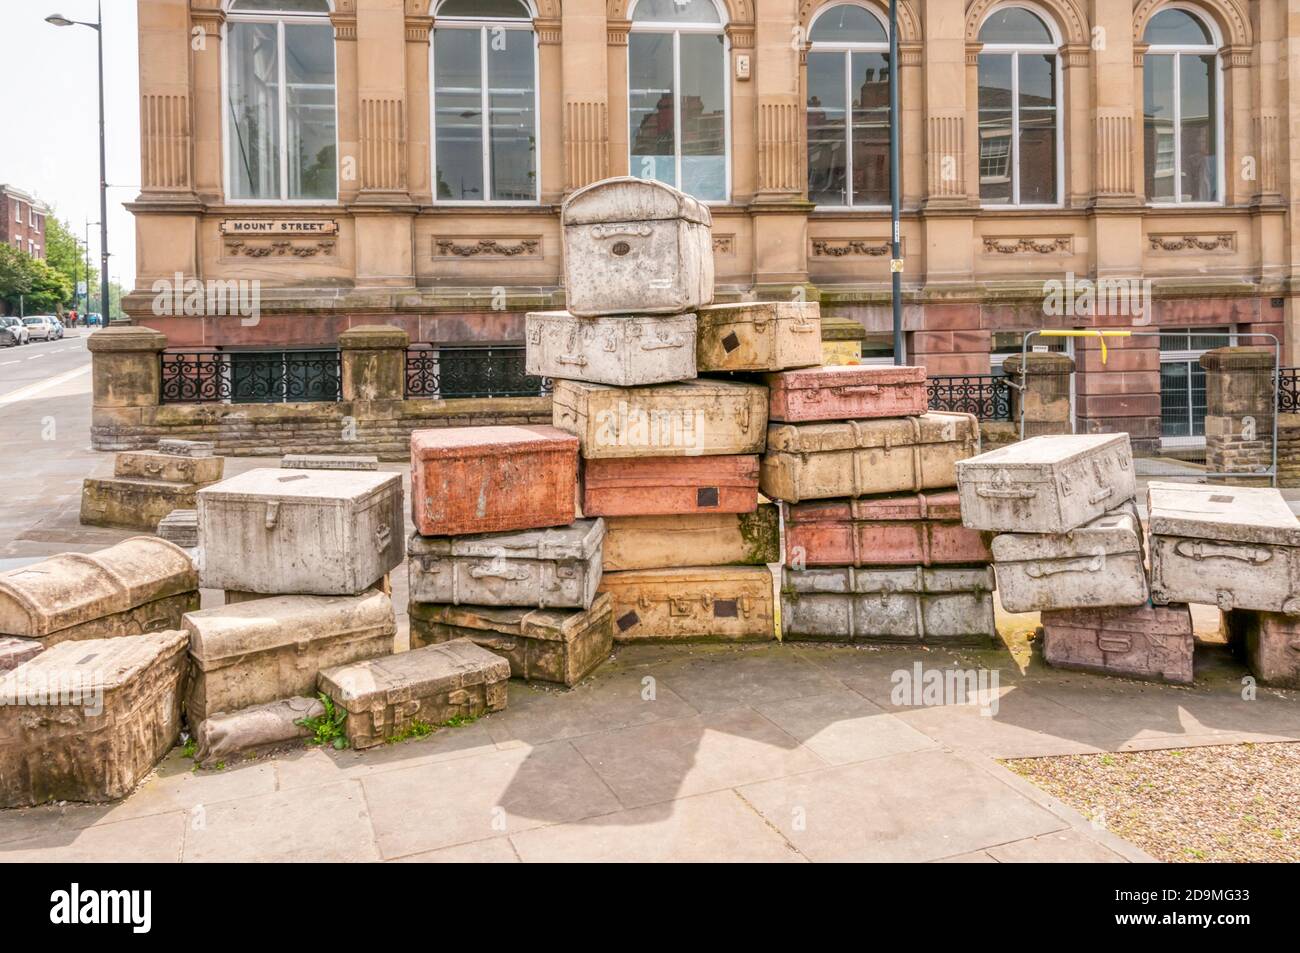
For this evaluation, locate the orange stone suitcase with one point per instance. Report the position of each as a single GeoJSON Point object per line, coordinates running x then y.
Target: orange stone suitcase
{"type": "Point", "coordinates": [847, 392]}
{"type": "Point", "coordinates": [718, 603]}
{"type": "Point", "coordinates": [492, 479]}
{"type": "Point", "coordinates": [918, 529]}
{"type": "Point", "coordinates": [664, 486]}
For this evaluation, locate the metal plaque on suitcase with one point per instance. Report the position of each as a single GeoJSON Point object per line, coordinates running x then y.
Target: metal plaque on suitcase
{"type": "Point", "coordinates": [719, 603]}
{"type": "Point", "coordinates": [847, 392]}
{"type": "Point", "coordinates": [1234, 547]}
{"type": "Point", "coordinates": [866, 457]}
{"type": "Point", "coordinates": [1049, 484]}
{"type": "Point", "coordinates": [549, 645]}
{"type": "Point", "coordinates": [921, 529]}
{"type": "Point", "coordinates": [624, 350]}
{"type": "Point", "coordinates": [544, 568]}
{"type": "Point", "coordinates": [1099, 564]}
{"type": "Point", "coordinates": [759, 336]}
{"type": "Point", "coordinates": [888, 605]}
{"type": "Point", "coordinates": [1151, 642]}
{"type": "Point", "coordinates": [698, 539]}
{"type": "Point", "coordinates": [662, 486]}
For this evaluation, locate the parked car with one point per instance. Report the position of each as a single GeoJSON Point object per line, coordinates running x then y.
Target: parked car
{"type": "Point", "coordinates": [93, 320]}
{"type": "Point", "coordinates": [15, 332]}
{"type": "Point", "coordinates": [43, 327]}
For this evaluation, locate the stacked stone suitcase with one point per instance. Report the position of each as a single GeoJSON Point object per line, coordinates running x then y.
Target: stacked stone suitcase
{"type": "Point", "coordinates": [147, 485]}
{"type": "Point", "coordinates": [1070, 545]}
{"type": "Point", "coordinates": [497, 538]}
{"type": "Point", "coordinates": [669, 439]}
{"type": "Point", "coordinates": [874, 546]}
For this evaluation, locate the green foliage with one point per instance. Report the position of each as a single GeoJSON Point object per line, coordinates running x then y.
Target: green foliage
{"type": "Point", "coordinates": [191, 747]}
{"type": "Point", "coordinates": [30, 285]}
{"type": "Point", "coordinates": [62, 253]}
{"type": "Point", "coordinates": [328, 728]}
{"type": "Point", "coordinates": [417, 729]}
{"type": "Point", "coordinates": [459, 721]}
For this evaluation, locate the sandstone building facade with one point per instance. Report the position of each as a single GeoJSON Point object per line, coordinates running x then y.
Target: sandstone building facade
{"type": "Point", "coordinates": [402, 162]}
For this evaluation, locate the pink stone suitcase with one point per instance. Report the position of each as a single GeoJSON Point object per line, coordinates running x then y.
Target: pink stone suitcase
{"type": "Point", "coordinates": [847, 392]}
{"type": "Point", "coordinates": [917, 529]}
{"type": "Point", "coordinates": [1270, 644]}
{"type": "Point", "coordinates": [1148, 642]}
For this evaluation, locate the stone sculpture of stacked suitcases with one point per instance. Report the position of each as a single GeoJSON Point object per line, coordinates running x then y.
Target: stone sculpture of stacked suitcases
{"type": "Point", "coordinates": [496, 541]}
{"type": "Point", "coordinates": [148, 484]}
{"type": "Point", "coordinates": [861, 565]}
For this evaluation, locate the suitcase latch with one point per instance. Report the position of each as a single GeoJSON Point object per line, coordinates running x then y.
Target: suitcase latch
{"type": "Point", "coordinates": [382, 535]}
{"type": "Point", "coordinates": [272, 513]}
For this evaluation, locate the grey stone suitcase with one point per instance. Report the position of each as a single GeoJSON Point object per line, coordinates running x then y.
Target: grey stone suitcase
{"type": "Point", "coordinates": [180, 527]}
{"type": "Point", "coordinates": [544, 568]}
{"type": "Point", "coordinates": [1149, 642]}
{"type": "Point", "coordinates": [635, 246]}
{"type": "Point", "coordinates": [549, 645]}
{"type": "Point", "coordinates": [325, 532]}
{"type": "Point", "coordinates": [329, 461]}
{"type": "Point", "coordinates": [916, 604]}
{"type": "Point", "coordinates": [1049, 484]}
{"type": "Point", "coordinates": [1234, 547]}
{"type": "Point", "coordinates": [252, 653]}
{"type": "Point", "coordinates": [1097, 565]}
{"type": "Point", "coordinates": [624, 351]}
{"type": "Point", "coordinates": [428, 686]}
{"type": "Point", "coordinates": [143, 584]}
{"type": "Point", "coordinates": [257, 728]}
{"type": "Point", "coordinates": [87, 720]}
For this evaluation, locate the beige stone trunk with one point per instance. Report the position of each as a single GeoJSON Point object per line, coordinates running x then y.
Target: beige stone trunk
{"type": "Point", "coordinates": [143, 584]}
{"type": "Point", "coordinates": [133, 503]}
{"type": "Point", "coordinates": [544, 568]}
{"type": "Point", "coordinates": [916, 604]}
{"type": "Point", "coordinates": [1048, 484]}
{"type": "Point", "coordinates": [1234, 547]}
{"type": "Point", "coordinates": [636, 246]}
{"type": "Point", "coordinates": [692, 539]}
{"type": "Point", "coordinates": [171, 467]}
{"type": "Point", "coordinates": [759, 336]}
{"type": "Point", "coordinates": [252, 653]}
{"type": "Point", "coordinates": [325, 532]}
{"type": "Point", "coordinates": [1099, 564]}
{"type": "Point", "coordinates": [623, 350]}
{"type": "Point", "coordinates": [428, 686]}
{"type": "Point", "coordinates": [549, 645]}
{"type": "Point", "coordinates": [86, 721]}
{"type": "Point", "coordinates": [694, 418]}
{"type": "Point", "coordinates": [717, 603]}
{"type": "Point", "coordinates": [255, 729]}
{"type": "Point", "coordinates": [863, 457]}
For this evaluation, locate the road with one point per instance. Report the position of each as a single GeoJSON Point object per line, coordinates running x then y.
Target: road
{"type": "Point", "coordinates": [33, 366]}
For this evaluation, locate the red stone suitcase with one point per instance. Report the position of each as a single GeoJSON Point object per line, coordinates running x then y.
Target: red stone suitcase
{"type": "Point", "coordinates": [847, 392]}
{"type": "Point", "coordinates": [1150, 642]}
{"type": "Point", "coordinates": [492, 479]}
{"type": "Point", "coordinates": [667, 486]}
{"type": "Point", "coordinates": [919, 529]}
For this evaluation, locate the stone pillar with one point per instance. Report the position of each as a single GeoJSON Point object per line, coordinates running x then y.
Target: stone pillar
{"type": "Point", "coordinates": [616, 54]}
{"type": "Point", "coordinates": [374, 362]}
{"type": "Point", "coordinates": [1123, 394]}
{"type": "Point", "coordinates": [584, 67]}
{"type": "Point", "coordinates": [126, 379]}
{"type": "Point", "coordinates": [206, 32]}
{"type": "Point", "coordinates": [1043, 393]}
{"type": "Point", "coordinates": [418, 98]}
{"type": "Point", "coordinates": [1239, 410]}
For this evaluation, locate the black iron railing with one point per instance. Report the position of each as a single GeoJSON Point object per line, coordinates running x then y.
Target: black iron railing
{"type": "Point", "coordinates": [1288, 390]}
{"type": "Point", "coordinates": [250, 377]}
{"type": "Point", "coordinates": [495, 370]}
{"type": "Point", "coordinates": [987, 396]}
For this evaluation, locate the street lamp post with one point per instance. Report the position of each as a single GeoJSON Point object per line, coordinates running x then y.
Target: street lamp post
{"type": "Point", "coordinates": [89, 223]}
{"type": "Point", "coordinates": [895, 197]}
{"type": "Point", "coordinates": [58, 19]}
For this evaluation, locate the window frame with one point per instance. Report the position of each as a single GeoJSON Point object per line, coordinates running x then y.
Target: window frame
{"type": "Point", "coordinates": [676, 29]}
{"type": "Point", "coordinates": [1177, 50]}
{"type": "Point", "coordinates": [1188, 357]}
{"type": "Point", "coordinates": [847, 49]}
{"type": "Point", "coordinates": [234, 17]}
{"type": "Point", "coordinates": [483, 24]}
{"type": "Point", "coordinates": [1058, 92]}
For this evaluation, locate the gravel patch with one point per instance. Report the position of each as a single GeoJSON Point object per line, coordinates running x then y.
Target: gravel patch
{"type": "Point", "coordinates": [1227, 803]}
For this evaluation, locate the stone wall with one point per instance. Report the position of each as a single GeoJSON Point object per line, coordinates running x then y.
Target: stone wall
{"type": "Point", "coordinates": [373, 417]}
{"type": "Point", "coordinates": [1288, 449]}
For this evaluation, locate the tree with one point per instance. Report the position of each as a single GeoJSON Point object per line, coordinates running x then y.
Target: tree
{"type": "Point", "coordinates": [61, 251]}
{"type": "Point", "coordinates": [29, 285]}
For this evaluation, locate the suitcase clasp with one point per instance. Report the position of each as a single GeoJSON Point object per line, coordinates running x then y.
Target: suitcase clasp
{"type": "Point", "coordinates": [382, 535]}
{"type": "Point", "coordinates": [535, 334]}
{"type": "Point", "coordinates": [272, 513]}
{"type": "Point", "coordinates": [743, 415]}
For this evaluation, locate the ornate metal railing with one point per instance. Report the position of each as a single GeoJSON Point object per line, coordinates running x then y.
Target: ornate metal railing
{"type": "Point", "coordinates": [495, 370]}
{"type": "Point", "coordinates": [1288, 390]}
{"type": "Point", "coordinates": [986, 396]}
{"type": "Point", "coordinates": [250, 377]}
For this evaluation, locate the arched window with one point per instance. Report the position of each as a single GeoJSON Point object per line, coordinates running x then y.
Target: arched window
{"type": "Point", "coordinates": [281, 119]}
{"type": "Point", "coordinates": [484, 102]}
{"type": "Point", "coordinates": [848, 108]}
{"type": "Point", "coordinates": [1020, 135]}
{"type": "Point", "coordinates": [1183, 113]}
{"type": "Point", "coordinates": [678, 129]}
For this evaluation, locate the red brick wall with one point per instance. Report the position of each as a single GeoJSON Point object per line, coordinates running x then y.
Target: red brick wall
{"type": "Point", "coordinates": [18, 234]}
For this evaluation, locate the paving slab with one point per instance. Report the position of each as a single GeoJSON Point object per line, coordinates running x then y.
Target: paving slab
{"type": "Point", "coordinates": [706, 828]}
{"type": "Point", "coordinates": [842, 727]}
{"type": "Point", "coordinates": [497, 850]}
{"type": "Point", "coordinates": [1061, 847]}
{"type": "Point", "coordinates": [156, 839]}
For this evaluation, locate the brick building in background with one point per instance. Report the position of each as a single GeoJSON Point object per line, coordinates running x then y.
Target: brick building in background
{"type": "Point", "coordinates": [402, 162]}
{"type": "Point", "coordinates": [22, 221]}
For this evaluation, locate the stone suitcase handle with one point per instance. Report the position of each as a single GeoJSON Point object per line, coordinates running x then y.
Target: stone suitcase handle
{"type": "Point", "coordinates": [498, 572]}
{"type": "Point", "coordinates": [1201, 549]}
{"type": "Point", "coordinates": [856, 389]}
{"type": "Point", "coordinates": [1101, 495]}
{"type": "Point", "coordinates": [666, 342]}
{"type": "Point", "coordinates": [1006, 492]}
{"type": "Point", "coordinates": [1082, 564]}
{"type": "Point", "coordinates": [1108, 642]}
{"type": "Point", "coordinates": [575, 359]}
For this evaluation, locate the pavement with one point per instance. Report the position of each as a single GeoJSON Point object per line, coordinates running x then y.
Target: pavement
{"type": "Point", "coordinates": [776, 752]}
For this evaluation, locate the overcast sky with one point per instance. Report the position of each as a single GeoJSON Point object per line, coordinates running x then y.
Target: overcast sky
{"type": "Point", "coordinates": [49, 144]}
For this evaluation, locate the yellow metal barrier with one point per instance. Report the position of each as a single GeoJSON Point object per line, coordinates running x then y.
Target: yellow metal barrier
{"type": "Point", "coordinates": [1099, 334]}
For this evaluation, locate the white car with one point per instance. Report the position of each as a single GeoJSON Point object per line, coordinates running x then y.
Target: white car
{"type": "Point", "coordinates": [44, 327]}
{"type": "Point", "coordinates": [13, 332]}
